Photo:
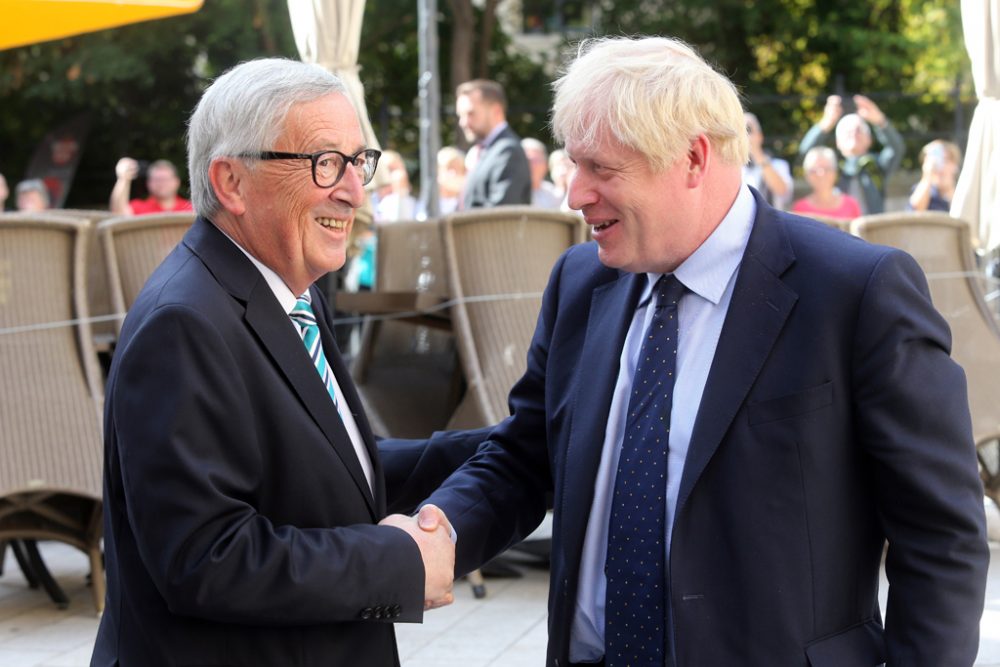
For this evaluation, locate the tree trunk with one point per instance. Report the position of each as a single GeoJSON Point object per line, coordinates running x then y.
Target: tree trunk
{"type": "Point", "coordinates": [486, 38]}
{"type": "Point", "coordinates": [463, 34]}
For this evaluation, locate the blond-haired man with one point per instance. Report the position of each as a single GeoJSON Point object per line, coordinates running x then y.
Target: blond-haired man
{"type": "Point", "coordinates": [734, 407]}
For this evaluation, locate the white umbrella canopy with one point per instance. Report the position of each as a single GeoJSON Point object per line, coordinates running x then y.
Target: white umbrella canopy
{"type": "Point", "coordinates": [328, 33]}
{"type": "Point", "coordinates": [977, 195]}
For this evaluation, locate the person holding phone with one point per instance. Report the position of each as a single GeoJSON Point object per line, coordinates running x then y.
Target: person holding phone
{"type": "Point", "coordinates": [863, 173]}
{"type": "Point", "coordinates": [940, 161]}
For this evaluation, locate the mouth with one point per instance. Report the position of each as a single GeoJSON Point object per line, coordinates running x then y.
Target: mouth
{"type": "Point", "coordinates": [333, 224]}
{"type": "Point", "coordinates": [600, 227]}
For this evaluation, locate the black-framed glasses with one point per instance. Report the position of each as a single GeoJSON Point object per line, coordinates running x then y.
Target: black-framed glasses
{"type": "Point", "coordinates": [328, 167]}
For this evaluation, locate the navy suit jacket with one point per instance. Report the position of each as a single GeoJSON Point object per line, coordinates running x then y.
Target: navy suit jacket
{"type": "Point", "coordinates": [833, 420]}
{"type": "Point", "coordinates": [502, 175]}
{"type": "Point", "coordinates": [239, 527]}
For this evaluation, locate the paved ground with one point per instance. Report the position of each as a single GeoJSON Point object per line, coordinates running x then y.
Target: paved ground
{"type": "Point", "coordinates": [507, 629]}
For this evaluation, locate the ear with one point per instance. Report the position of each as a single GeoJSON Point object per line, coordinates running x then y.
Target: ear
{"type": "Point", "coordinates": [699, 159]}
{"type": "Point", "coordinates": [227, 178]}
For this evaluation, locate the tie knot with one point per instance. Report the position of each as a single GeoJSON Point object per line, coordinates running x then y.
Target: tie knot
{"type": "Point", "coordinates": [669, 291]}
{"type": "Point", "coordinates": [303, 312]}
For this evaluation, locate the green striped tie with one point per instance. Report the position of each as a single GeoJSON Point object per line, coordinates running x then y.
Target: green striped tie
{"type": "Point", "coordinates": [305, 321]}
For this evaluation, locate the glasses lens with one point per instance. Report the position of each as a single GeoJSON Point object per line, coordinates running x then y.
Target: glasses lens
{"type": "Point", "coordinates": [367, 161]}
{"type": "Point", "coordinates": [329, 167]}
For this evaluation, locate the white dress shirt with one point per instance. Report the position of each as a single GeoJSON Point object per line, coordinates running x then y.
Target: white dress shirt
{"type": "Point", "coordinates": [287, 300]}
{"type": "Point", "coordinates": [709, 275]}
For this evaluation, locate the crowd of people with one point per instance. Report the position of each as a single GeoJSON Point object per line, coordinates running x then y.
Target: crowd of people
{"type": "Point", "coordinates": [845, 174]}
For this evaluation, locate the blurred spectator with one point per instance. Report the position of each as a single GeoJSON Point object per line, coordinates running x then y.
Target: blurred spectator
{"type": "Point", "coordinates": [771, 176]}
{"type": "Point", "coordinates": [543, 192]}
{"type": "Point", "coordinates": [863, 174]}
{"type": "Point", "coordinates": [500, 174]}
{"type": "Point", "coordinates": [825, 199]}
{"type": "Point", "coordinates": [939, 164]}
{"type": "Point", "coordinates": [32, 195]}
{"type": "Point", "coordinates": [394, 201]}
{"type": "Point", "coordinates": [162, 184]}
{"type": "Point", "coordinates": [451, 178]}
{"type": "Point", "coordinates": [560, 170]}
{"type": "Point", "coordinates": [4, 192]}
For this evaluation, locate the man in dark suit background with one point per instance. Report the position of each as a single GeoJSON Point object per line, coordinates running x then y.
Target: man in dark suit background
{"type": "Point", "coordinates": [243, 485]}
{"type": "Point", "coordinates": [736, 409]}
{"type": "Point", "coordinates": [500, 173]}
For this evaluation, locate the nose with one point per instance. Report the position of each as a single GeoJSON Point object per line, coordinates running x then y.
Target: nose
{"type": "Point", "coordinates": [350, 190]}
{"type": "Point", "coordinates": [579, 191]}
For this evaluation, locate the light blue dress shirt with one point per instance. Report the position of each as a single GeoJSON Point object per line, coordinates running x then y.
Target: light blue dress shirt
{"type": "Point", "coordinates": [709, 275]}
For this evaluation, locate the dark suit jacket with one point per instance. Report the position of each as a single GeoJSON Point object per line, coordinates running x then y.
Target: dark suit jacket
{"type": "Point", "coordinates": [239, 528]}
{"type": "Point", "coordinates": [833, 419]}
{"type": "Point", "coordinates": [501, 176]}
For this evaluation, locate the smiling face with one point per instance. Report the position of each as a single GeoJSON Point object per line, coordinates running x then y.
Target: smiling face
{"type": "Point", "coordinates": [289, 223]}
{"type": "Point", "coordinates": [639, 217]}
{"type": "Point", "coordinates": [162, 183]}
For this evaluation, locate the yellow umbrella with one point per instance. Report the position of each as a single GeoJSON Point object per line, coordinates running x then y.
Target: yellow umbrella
{"type": "Point", "coordinates": [31, 21]}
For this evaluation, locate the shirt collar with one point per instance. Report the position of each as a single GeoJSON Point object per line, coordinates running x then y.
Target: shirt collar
{"type": "Point", "coordinates": [281, 292]}
{"type": "Point", "coordinates": [491, 137]}
{"type": "Point", "coordinates": [709, 269]}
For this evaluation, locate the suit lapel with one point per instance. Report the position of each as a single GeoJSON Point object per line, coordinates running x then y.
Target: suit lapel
{"type": "Point", "coordinates": [354, 404]}
{"type": "Point", "coordinates": [760, 304]}
{"type": "Point", "coordinates": [611, 309]}
{"type": "Point", "coordinates": [271, 325]}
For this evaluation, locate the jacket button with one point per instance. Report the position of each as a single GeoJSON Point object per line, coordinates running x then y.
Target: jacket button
{"type": "Point", "coordinates": [366, 613]}
{"type": "Point", "coordinates": [396, 610]}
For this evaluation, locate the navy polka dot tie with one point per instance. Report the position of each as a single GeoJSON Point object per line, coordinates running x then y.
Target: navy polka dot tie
{"type": "Point", "coordinates": [635, 608]}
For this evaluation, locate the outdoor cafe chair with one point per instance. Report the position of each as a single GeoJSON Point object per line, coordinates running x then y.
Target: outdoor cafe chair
{"type": "Point", "coordinates": [51, 403]}
{"type": "Point", "coordinates": [943, 248]}
{"type": "Point", "coordinates": [498, 264]}
{"type": "Point", "coordinates": [133, 247]}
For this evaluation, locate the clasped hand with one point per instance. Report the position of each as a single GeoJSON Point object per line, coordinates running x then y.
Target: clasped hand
{"type": "Point", "coordinates": [432, 533]}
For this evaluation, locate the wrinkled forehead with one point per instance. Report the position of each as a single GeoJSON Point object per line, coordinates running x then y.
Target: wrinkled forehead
{"type": "Point", "coordinates": [329, 121]}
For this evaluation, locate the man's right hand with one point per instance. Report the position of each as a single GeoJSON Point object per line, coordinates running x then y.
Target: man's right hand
{"type": "Point", "coordinates": [437, 552]}
{"type": "Point", "coordinates": [832, 112]}
{"type": "Point", "coordinates": [127, 169]}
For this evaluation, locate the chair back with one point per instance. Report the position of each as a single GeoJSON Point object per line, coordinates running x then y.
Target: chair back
{"type": "Point", "coordinates": [98, 291]}
{"type": "Point", "coordinates": [410, 256]}
{"type": "Point", "coordinates": [942, 246]}
{"type": "Point", "coordinates": [503, 255]}
{"type": "Point", "coordinates": [134, 246]}
{"type": "Point", "coordinates": [50, 391]}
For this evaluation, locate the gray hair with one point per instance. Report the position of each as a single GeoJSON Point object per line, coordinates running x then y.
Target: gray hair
{"type": "Point", "coordinates": [819, 153]}
{"type": "Point", "coordinates": [33, 185]}
{"type": "Point", "coordinates": [244, 111]}
{"type": "Point", "coordinates": [654, 95]}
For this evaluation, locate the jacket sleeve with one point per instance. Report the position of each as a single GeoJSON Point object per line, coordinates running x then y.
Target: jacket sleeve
{"type": "Point", "coordinates": [191, 463]}
{"type": "Point", "coordinates": [913, 421]}
{"type": "Point", "coordinates": [509, 176]}
{"type": "Point", "coordinates": [814, 137]}
{"type": "Point", "coordinates": [500, 496]}
{"type": "Point", "coordinates": [893, 148]}
{"type": "Point", "coordinates": [414, 469]}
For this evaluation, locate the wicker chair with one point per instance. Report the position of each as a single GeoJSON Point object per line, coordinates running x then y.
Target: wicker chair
{"type": "Point", "coordinates": [943, 248]}
{"type": "Point", "coordinates": [498, 251]}
{"type": "Point", "coordinates": [133, 247]}
{"type": "Point", "coordinates": [50, 443]}
{"type": "Point", "coordinates": [410, 261]}
{"type": "Point", "coordinates": [98, 290]}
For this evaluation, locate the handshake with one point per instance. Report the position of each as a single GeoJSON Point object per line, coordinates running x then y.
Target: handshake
{"type": "Point", "coordinates": [432, 533]}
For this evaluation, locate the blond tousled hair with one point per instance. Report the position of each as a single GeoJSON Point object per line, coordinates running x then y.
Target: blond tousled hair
{"type": "Point", "coordinates": [653, 95]}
